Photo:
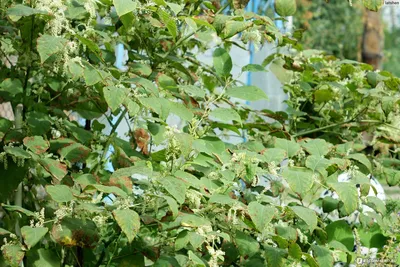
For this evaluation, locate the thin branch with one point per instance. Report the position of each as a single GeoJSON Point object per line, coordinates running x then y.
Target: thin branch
{"type": "Point", "coordinates": [107, 147]}
{"type": "Point", "coordinates": [5, 55]}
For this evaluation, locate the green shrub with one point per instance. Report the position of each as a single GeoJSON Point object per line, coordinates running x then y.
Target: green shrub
{"type": "Point", "coordinates": [181, 196]}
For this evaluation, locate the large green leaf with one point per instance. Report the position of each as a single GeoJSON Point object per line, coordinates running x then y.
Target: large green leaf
{"type": "Point", "coordinates": [92, 75]}
{"type": "Point", "coordinates": [17, 152]}
{"type": "Point", "coordinates": [377, 204]}
{"type": "Point", "coordinates": [300, 180]}
{"type": "Point", "coordinates": [275, 256]}
{"type": "Point", "coordinates": [274, 155]}
{"type": "Point", "coordinates": [18, 209]}
{"type": "Point", "coordinates": [209, 145]}
{"type": "Point", "coordinates": [233, 27]}
{"type": "Point", "coordinates": [114, 96]}
{"type": "Point", "coordinates": [225, 115]}
{"type": "Point", "coordinates": [172, 205]}
{"type": "Point", "coordinates": [5, 126]}
{"type": "Point", "coordinates": [222, 199]}
{"type": "Point", "coordinates": [42, 258]}
{"type": "Point", "coordinates": [180, 110]}
{"type": "Point", "coordinates": [182, 240]}
{"type": "Point", "coordinates": [188, 179]}
{"type": "Point", "coordinates": [147, 85]}
{"type": "Point", "coordinates": [261, 215]}
{"type": "Point", "coordinates": [197, 261]}
{"type": "Point", "coordinates": [18, 11]}
{"type": "Point", "coordinates": [192, 90]}
{"type": "Point", "coordinates": [291, 147]}
{"type": "Point", "coordinates": [75, 152]}
{"type": "Point", "coordinates": [317, 164]}
{"type": "Point", "coordinates": [57, 169]}
{"type": "Point", "coordinates": [175, 187]}
{"type": "Point", "coordinates": [348, 194]}
{"type": "Point", "coordinates": [48, 45]}
{"type": "Point", "coordinates": [392, 176]}
{"type": "Point", "coordinates": [340, 231]}
{"type": "Point", "coordinates": [250, 93]}
{"type": "Point", "coordinates": [32, 235]}
{"type": "Point", "coordinates": [253, 68]}
{"type": "Point", "coordinates": [246, 245]}
{"type": "Point", "coordinates": [13, 255]}
{"type": "Point", "coordinates": [192, 220]}
{"type": "Point", "coordinates": [36, 144]}
{"type": "Point", "coordinates": [85, 180]}
{"type": "Point", "coordinates": [108, 189]}
{"type": "Point", "coordinates": [124, 6]}
{"type": "Point", "coordinates": [4, 232]}
{"type": "Point", "coordinates": [323, 255]}
{"type": "Point", "coordinates": [132, 107]}
{"type": "Point", "coordinates": [222, 62]}
{"type": "Point", "coordinates": [372, 237]}
{"type": "Point", "coordinates": [169, 22]}
{"type": "Point", "coordinates": [75, 232]}
{"type": "Point", "coordinates": [307, 215]}
{"type": "Point", "coordinates": [129, 222]}
{"type": "Point", "coordinates": [294, 251]}
{"type": "Point", "coordinates": [158, 105]}
{"type": "Point", "coordinates": [10, 88]}
{"type": "Point", "coordinates": [60, 193]}
{"type": "Point", "coordinates": [141, 69]}
{"type": "Point", "coordinates": [317, 147]}
{"type": "Point", "coordinates": [285, 8]}
{"type": "Point", "coordinates": [362, 159]}
{"type": "Point", "coordinates": [129, 171]}
{"type": "Point", "coordinates": [10, 179]}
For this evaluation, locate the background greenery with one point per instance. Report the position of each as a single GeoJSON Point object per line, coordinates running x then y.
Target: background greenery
{"type": "Point", "coordinates": [186, 196]}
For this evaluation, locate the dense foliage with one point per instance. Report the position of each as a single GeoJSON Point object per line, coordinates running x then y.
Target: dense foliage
{"type": "Point", "coordinates": [332, 27]}
{"type": "Point", "coordinates": [183, 196]}
{"type": "Point", "coordinates": [391, 58]}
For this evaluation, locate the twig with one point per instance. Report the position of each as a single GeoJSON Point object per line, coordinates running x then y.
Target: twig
{"type": "Point", "coordinates": [106, 148]}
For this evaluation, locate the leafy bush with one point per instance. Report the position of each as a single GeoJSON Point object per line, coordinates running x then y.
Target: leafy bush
{"type": "Point", "coordinates": [180, 196]}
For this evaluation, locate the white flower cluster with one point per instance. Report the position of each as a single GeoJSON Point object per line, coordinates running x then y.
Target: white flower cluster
{"type": "Point", "coordinates": [100, 220]}
{"type": "Point", "coordinates": [14, 240]}
{"type": "Point", "coordinates": [343, 82]}
{"type": "Point", "coordinates": [252, 35]}
{"type": "Point", "coordinates": [55, 133]}
{"type": "Point", "coordinates": [194, 198]}
{"type": "Point", "coordinates": [57, 9]}
{"type": "Point", "coordinates": [302, 154]}
{"type": "Point", "coordinates": [302, 237]}
{"type": "Point", "coordinates": [213, 175]}
{"type": "Point", "coordinates": [233, 213]}
{"type": "Point", "coordinates": [358, 78]}
{"type": "Point", "coordinates": [90, 6]}
{"type": "Point", "coordinates": [63, 211]}
{"type": "Point", "coordinates": [353, 169]}
{"type": "Point", "coordinates": [173, 147]}
{"type": "Point", "coordinates": [40, 219]}
{"type": "Point", "coordinates": [238, 157]}
{"type": "Point", "coordinates": [204, 231]}
{"type": "Point", "coordinates": [216, 255]}
{"type": "Point", "coordinates": [291, 163]}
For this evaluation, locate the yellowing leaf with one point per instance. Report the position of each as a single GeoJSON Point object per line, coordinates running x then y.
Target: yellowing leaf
{"type": "Point", "coordinates": [128, 221]}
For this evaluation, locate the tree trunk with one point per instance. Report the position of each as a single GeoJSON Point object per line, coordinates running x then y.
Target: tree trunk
{"type": "Point", "coordinates": [372, 41]}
